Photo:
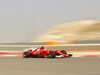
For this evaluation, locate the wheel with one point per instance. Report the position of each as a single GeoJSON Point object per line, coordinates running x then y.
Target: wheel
{"type": "Point", "coordinates": [69, 55]}
{"type": "Point", "coordinates": [26, 54]}
{"type": "Point", "coordinates": [64, 52]}
{"type": "Point", "coordinates": [52, 54]}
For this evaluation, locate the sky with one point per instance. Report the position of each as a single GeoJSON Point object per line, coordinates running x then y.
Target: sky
{"type": "Point", "coordinates": [23, 20]}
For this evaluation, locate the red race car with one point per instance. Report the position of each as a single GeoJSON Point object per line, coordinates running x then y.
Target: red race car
{"type": "Point", "coordinates": [41, 52]}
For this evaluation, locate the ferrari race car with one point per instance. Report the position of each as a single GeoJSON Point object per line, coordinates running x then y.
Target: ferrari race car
{"type": "Point", "coordinates": [41, 52]}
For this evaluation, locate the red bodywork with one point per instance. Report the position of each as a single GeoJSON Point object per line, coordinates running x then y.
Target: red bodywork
{"type": "Point", "coordinates": [42, 52]}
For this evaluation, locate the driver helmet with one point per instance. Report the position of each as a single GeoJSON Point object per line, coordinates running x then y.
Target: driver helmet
{"type": "Point", "coordinates": [42, 47]}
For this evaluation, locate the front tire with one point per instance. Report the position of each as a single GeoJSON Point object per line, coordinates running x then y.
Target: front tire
{"type": "Point", "coordinates": [52, 54]}
{"type": "Point", "coordinates": [26, 54]}
{"type": "Point", "coordinates": [70, 55]}
{"type": "Point", "coordinates": [64, 52]}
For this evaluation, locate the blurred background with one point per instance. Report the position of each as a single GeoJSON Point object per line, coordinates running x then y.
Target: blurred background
{"type": "Point", "coordinates": [49, 22]}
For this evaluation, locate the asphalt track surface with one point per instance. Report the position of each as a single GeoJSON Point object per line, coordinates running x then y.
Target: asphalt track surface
{"type": "Point", "coordinates": [48, 66]}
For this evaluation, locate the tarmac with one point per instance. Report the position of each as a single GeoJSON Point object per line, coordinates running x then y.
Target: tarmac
{"type": "Point", "coordinates": [48, 66]}
{"type": "Point", "coordinates": [51, 66]}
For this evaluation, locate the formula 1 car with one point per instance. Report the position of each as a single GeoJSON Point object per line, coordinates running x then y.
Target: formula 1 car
{"type": "Point", "coordinates": [41, 52]}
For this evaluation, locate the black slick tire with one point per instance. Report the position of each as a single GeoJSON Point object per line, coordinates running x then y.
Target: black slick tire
{"type": "Point", "coordinates": [64, 52]}
{"type": "Point", "coordinates": [26, 54]}
{"type": "Point", "coordinates": [52, 55]}
{"type": "Point", "coordinates": [70, 55]}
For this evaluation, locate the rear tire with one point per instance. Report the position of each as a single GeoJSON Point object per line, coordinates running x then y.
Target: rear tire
{"type": "Point", "coordinates": [26, 54]}
{"type": "Point", "coordinates": [52, 54]}
{"type": "Point", "coordinates": [64, 52]}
